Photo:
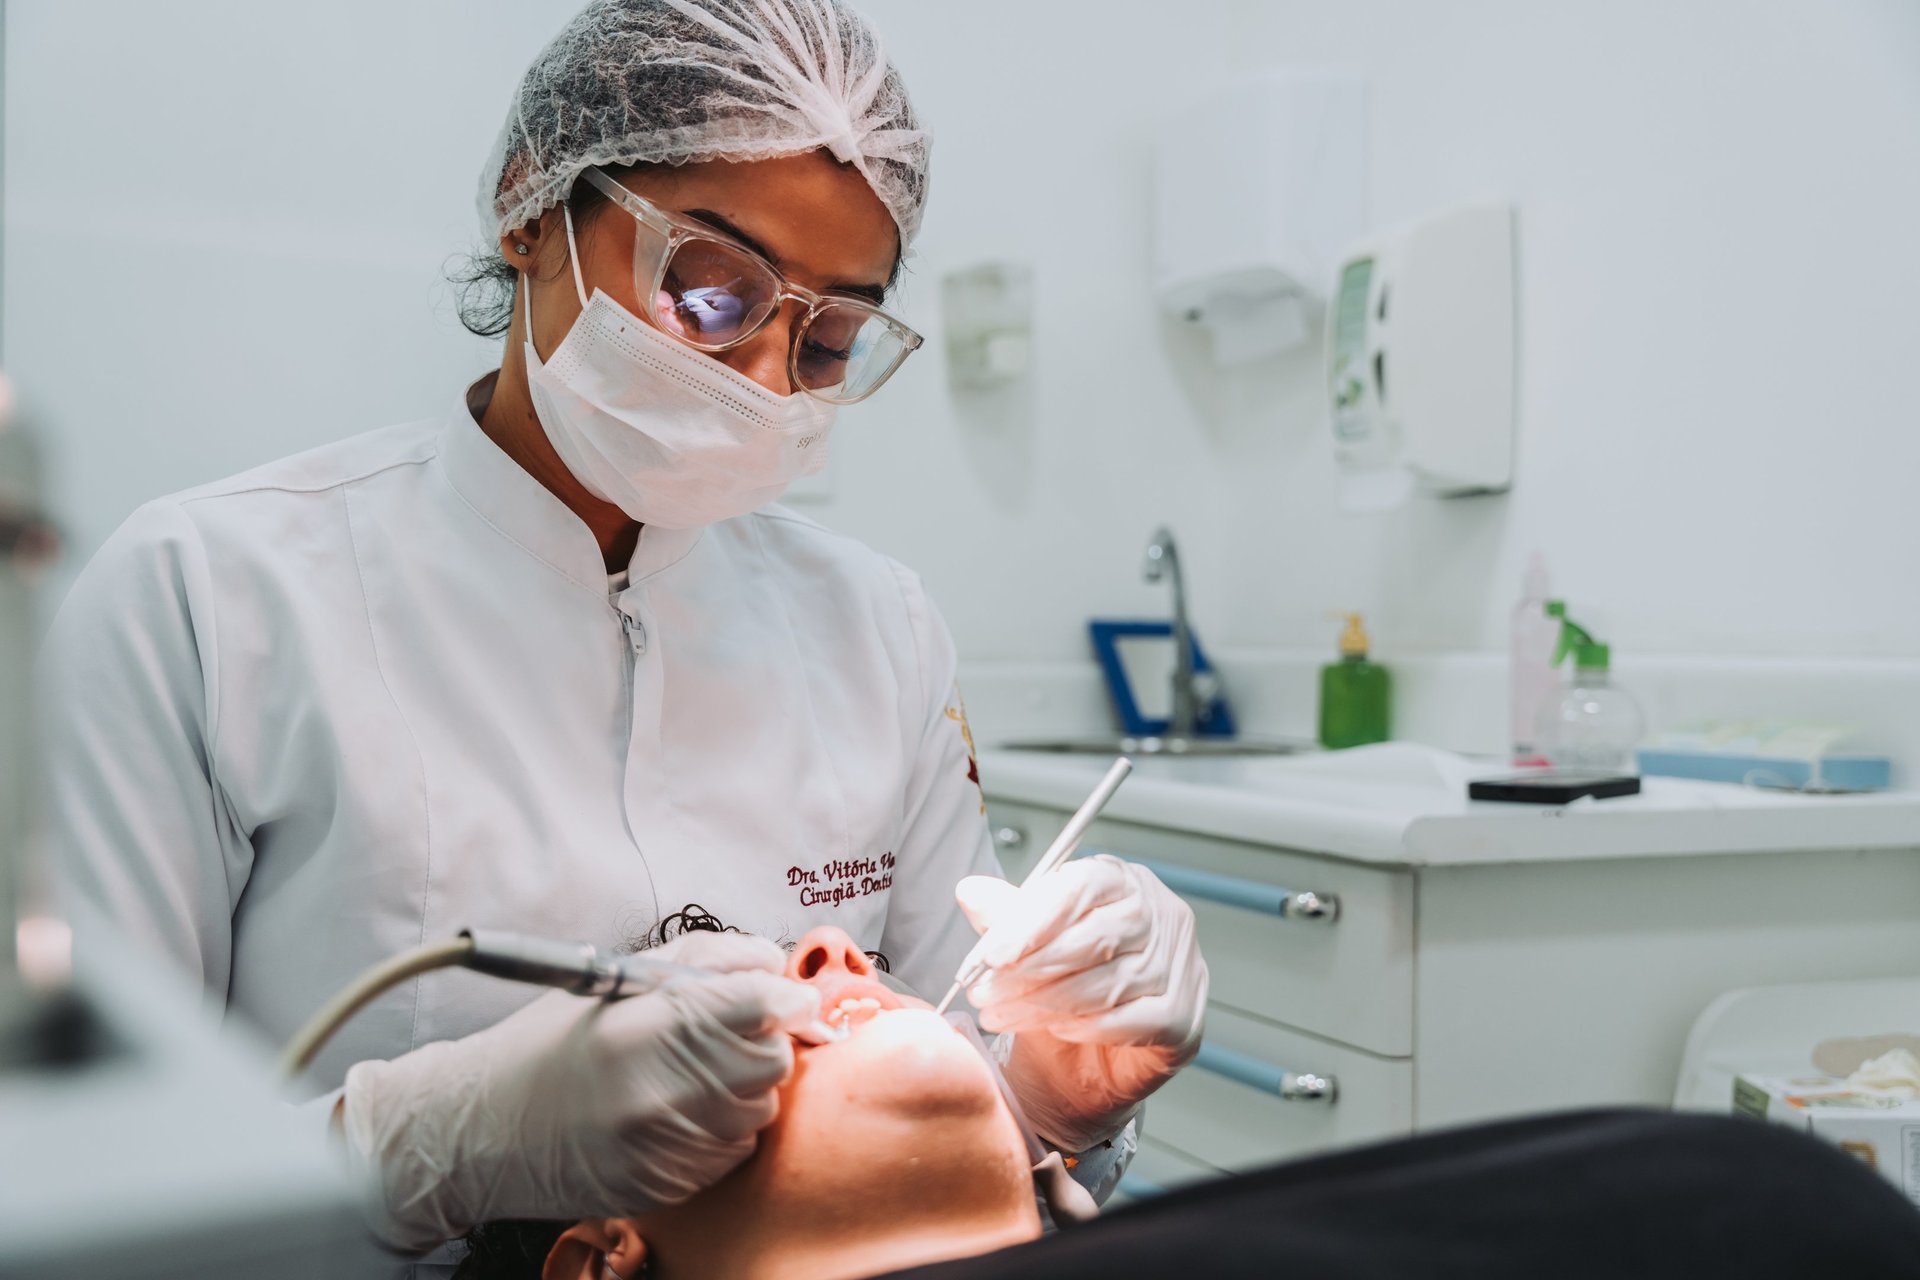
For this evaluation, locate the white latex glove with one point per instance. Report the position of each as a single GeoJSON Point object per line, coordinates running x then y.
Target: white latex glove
{"type": "Point", "coordinates": [574, 1106]}
{"type": "Point", "coordinates": [1096, 969]}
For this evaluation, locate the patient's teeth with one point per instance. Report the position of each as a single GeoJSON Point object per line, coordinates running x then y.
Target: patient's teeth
{"type": "Point", "coordinates": [843, 1010]}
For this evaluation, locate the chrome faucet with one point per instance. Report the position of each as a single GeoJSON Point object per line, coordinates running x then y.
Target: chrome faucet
{"type": "Point", "coordinates": [1163, 559]}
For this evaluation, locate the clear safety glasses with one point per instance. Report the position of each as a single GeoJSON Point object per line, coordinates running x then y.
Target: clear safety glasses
{"type": "Point", "coordinates": [713, 293]}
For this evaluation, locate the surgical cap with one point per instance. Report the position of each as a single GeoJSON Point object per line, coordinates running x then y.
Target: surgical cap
{"type": "Point", "coordinates": [674, 81]}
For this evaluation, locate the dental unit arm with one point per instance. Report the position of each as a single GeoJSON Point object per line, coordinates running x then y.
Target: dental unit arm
{"type": "Point", "coordinates": [578, 967]}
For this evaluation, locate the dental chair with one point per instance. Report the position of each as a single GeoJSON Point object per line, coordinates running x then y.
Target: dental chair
{"type": "Point", "coordinates": [1773, 1030]}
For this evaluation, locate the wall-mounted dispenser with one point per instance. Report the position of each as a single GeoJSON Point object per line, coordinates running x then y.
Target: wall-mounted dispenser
{"type": "Point", "coordinates": [986, 311]}
{"type": "Point", "coordinates": [1257, 188]}
{"type": "Point", "coordinates": [1420, 360]}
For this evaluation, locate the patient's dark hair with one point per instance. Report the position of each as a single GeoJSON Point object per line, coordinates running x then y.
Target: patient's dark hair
{"type": "Point", "coordinates": [510, 1249]}
{"type": "Point", "coordinates": [517, 1248]}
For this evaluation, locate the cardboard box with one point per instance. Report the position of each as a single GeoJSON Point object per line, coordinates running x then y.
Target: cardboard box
{"type": "Point", "coordinates": [1884, 1132]}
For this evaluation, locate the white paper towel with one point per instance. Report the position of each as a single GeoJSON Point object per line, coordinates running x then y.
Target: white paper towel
{"type": "Point", "coordinates": [1894, 1074]}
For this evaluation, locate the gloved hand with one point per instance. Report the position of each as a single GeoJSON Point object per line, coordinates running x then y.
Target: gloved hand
{"type": "Point", "coordinates": [574, 1106]}
{"type": "Point", "coordinates": [1096, 969]}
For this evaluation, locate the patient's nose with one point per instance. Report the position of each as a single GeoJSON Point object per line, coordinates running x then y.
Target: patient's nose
{"type": "Point", "coordinates": [827, 951]}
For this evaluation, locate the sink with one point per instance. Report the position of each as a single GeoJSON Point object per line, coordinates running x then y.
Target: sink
{"type": "Point", "coordinates": [1162, 746]}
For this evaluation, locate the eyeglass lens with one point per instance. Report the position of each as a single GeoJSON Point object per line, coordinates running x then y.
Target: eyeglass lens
{"type": "Point", "coordinates": [711, 294]}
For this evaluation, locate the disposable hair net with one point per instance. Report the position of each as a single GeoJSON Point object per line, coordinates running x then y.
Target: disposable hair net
{"type": "Point", "coordinates": [673, 81]}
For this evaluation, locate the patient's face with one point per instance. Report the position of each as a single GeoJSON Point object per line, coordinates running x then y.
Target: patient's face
{"type": "Point", "coordinates": [901, 1069]}
{"type": "Point", "coordinates": [892, 1147]}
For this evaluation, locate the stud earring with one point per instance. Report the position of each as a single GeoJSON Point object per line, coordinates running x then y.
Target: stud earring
{"type": "Point", "coordinates": [521, 250]}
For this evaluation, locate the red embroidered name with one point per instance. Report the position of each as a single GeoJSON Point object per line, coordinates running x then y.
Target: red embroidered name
{"type": "Point", "coordinates": [842, 880]}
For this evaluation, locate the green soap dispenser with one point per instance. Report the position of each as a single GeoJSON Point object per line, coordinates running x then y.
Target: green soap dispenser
{"type": "Point", "coordinates": [1356, 694]}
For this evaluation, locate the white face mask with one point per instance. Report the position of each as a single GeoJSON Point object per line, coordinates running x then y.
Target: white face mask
{"type": "Point", "coordinates": [668, 434]}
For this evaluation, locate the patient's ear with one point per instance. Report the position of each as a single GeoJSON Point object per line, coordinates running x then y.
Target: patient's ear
{"type": "Point", "coordinates": [591, 1247]}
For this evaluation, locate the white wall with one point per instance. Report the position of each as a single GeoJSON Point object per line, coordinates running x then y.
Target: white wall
{"type": "Point", "coordinates": [225, 225]}
{"type": "Point", "coordinates": [1717, 267]}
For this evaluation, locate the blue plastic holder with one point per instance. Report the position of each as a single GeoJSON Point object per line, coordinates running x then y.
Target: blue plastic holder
{"type": "Point", "coordinates": [1213, 720]}
{"type": "Point", "coordinates": [1837, 773]}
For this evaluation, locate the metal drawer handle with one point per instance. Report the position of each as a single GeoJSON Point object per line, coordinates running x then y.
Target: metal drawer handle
{"type": "Point", "coordinates": [1248, 895]}
{"type": "Point", "coordinates": [1294, 1086]}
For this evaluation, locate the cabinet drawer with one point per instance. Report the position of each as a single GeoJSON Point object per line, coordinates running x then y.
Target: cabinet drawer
{"type": "Point", "coordinates": [1219, 1113]}
{"type": "Point", "coordinates": [1349, 978]}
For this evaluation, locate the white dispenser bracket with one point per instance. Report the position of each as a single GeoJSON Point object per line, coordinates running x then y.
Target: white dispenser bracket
{"type": "Point", "coordinates": [1257, 185]}
{"type": "Point", "coordinates": [986, 312]}
{"type": "Point", "coordinates": [1420, 361]}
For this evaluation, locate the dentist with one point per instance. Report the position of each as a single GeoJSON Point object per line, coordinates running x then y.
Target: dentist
{"type": "Point", "coordinates": [551, 662]}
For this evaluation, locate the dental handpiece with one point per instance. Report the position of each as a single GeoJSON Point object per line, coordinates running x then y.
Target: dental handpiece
{"type": "Point", "coordinates": [1058, 852]}
{"type": "Point", "coordinates": [585, 970]}
{"type": "Point", "coordinates": [578, 967]}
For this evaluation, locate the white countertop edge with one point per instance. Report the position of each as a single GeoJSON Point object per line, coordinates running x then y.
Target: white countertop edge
{"type": "Point", "coordinates": [1407, 827]}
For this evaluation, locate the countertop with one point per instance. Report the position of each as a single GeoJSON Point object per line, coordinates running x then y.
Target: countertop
{"type": "Point", "coordinates": [1404, 805]}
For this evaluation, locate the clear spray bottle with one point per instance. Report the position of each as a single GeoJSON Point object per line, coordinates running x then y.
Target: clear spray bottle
{"type": "Point", "coordinates": [1594, 724]}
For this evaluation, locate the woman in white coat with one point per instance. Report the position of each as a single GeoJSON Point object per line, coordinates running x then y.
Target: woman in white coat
{"type": "Point", "coordinates": [550, 662]}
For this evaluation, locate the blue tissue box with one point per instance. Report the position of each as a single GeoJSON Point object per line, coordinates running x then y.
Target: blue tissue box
{"type": "Point", "coordinates": [1842, 773]}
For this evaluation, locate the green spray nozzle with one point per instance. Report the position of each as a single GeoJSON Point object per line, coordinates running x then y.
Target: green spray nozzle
{"type": "Point", "coordinates": [1588, 654]}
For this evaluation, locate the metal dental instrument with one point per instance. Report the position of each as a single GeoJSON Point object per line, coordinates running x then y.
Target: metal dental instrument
{"type": "Point", "coordinates": [1058, 852]}
{"type": "Point", "coordinates": [585, 970]}
{"type": "Point", "coordinates": [579, 967]}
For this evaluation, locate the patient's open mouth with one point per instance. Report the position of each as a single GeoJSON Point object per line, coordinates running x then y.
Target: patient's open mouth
{"type": "Point", "coordinates": [852, 1011]}
{"type": "Point", "coordinates": [847, 1006]}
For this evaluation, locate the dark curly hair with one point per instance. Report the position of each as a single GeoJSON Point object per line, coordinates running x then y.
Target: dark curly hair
{"type": "Point", "coordinates": [510, 1249]}
{"type": "Point", "coordinates": [517, 1248]}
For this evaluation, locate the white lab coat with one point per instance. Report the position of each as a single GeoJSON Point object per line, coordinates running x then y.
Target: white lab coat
{"type": "Point", "coordinates": [362, 698]}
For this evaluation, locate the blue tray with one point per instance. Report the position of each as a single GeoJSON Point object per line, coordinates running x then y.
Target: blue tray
{"type": "Point", "coordinates": [1842, 773]}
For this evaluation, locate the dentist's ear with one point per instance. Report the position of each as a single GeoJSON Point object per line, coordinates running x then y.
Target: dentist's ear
{"type": "Point", "coordinates": [597, 1249]}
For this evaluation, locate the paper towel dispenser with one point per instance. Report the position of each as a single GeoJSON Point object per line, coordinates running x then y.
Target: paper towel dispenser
{"type": "Point", "coordinates": [1257, 187]}
{"type": "Point", "coordinates": [1420, 358]}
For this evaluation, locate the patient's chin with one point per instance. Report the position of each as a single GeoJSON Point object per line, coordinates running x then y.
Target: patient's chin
{"type": "Point", "coordinates": [910, 1062]}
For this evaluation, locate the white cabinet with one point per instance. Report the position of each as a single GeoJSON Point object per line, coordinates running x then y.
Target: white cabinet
{"type": "Point", "coordinates": [1229, 1120]}
{"type": "Point", "coordinates": [1443, 994]}
{"type": "Point", "coordinates": [1554, 984]}
{"type": "Point", "coordinates": [1347, 975]}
